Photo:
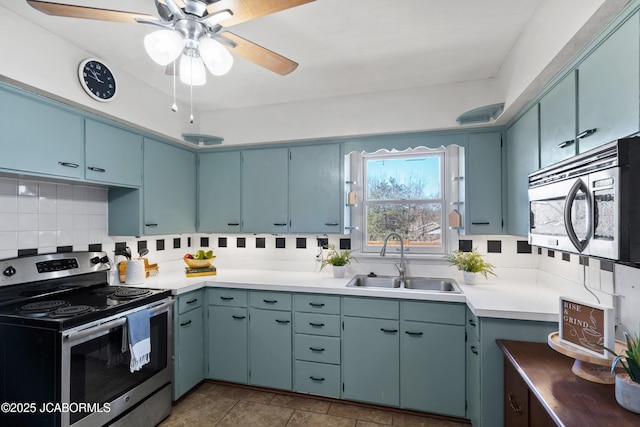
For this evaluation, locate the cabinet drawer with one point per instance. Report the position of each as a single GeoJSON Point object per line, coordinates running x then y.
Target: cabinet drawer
{"type": "Point", "coordinates": [271, 300]}
{"type": "Point", "coordinates": [434, 312]}
{"type": "Point", "coordinates": [190, 301]}
{"type": "Point", "coordinates": [317, 304]}
{"type": "Point", "coordinates": [317, 324]}
{"type": "Point", "coordinates": [228, 297]}
{"type": "Point", "coordinates": [314, 348]}
{"type": "Point", "coordinates": [370, 307]}
{"type": "Point", "coordinates": [318, 378]}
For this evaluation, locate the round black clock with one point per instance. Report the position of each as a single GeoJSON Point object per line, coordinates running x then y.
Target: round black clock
{"type": "Point", "coordinates": [97, 80]}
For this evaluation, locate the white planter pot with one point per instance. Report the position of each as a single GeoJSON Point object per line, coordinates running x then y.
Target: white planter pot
{"type": "Point", "coordinates": [628, 393]}
{"type": "Point", "coordinates": [338, 271]}
{"type": "Point", "coordinates": [470, 278]}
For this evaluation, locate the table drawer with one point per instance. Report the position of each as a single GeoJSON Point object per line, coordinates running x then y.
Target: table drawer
{"type": "Point", "coordinates": [310, 303]}
{"type": "Point", "coordinates": [317, 324]}
{"type": "Point", "coordinates": [271, 300]}
{"type": "Point", "coordinates": [227, 297]}
{"type": "Point", "coordinates": [317, 378]}
{"type": "Point", "coordinates": [189, 301]}
{"type": "Point", "coordinates": [314, 348]}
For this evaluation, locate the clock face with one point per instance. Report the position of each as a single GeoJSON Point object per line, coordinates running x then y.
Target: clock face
{"type": "Point", "coordinates": [97, 80]}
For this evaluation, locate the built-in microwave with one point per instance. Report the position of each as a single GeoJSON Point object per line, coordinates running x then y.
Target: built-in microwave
{"type": "Point", "coordinates": [590, 204]}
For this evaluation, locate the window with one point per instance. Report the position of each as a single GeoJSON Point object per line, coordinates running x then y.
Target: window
{"type": "Point", "coordinates": [404, 193]}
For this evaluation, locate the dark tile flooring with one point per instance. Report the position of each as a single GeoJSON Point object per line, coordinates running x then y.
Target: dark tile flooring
{"type": "Point", "coordinates": [213, 404]}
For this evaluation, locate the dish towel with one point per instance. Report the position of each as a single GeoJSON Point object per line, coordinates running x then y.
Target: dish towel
{"type": "Point", "coordinates": [139, 338]}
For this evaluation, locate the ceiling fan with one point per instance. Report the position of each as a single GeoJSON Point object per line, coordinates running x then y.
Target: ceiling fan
{"type": "Point", "coordinates": [195, 31]}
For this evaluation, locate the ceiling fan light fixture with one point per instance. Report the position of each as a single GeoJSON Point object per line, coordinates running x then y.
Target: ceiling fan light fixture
{"type": "Point", "coordinates": [215, 56]}
{"type": "Point", "coordinates": [192, 71]}
{"type": "Point", "coordinates": [163, 46]}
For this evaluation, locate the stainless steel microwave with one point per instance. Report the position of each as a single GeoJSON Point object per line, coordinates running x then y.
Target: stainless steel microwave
{"type": "Point", "coordinates": [590, 204]}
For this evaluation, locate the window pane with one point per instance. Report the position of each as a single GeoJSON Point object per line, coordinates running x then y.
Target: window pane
{"type": "Point", "coordinates": [403, 178]}
{"type": "Point", "coordinates": [420, 224]}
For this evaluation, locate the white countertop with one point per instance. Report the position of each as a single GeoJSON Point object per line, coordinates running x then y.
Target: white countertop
{"type": "Point", "coordinates": [511, 296]}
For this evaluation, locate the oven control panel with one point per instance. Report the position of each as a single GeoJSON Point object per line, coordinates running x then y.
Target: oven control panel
{"type": "Point", "coordinates": [56, 265]}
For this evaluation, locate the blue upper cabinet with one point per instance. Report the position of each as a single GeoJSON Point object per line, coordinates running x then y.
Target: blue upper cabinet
{"type": "Point", "coordinates": [113, 155]}
{"type": "Point", "coordinates": [315, 190]}
{"type": "Point", "coordinates": [609, 88]}
{"type": "Point", "coordinates": [558, 122]}
{"type": "Point", "coordinates": [522, 159]}
{"type": "Point", "coordinates": [169, 188]}
{"type": "Point", "coordinates": [40, 137]}
{"type": "Point", "coordinates": [219, 192]}
{"type": "Point", "coordinates": [483, 204]}
{"type": "Point", "coordinates": [264, 192]}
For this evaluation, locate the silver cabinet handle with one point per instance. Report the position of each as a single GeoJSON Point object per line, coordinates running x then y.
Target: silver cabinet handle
{"type": "Point", "coordinates": [566, 143]}
{"type": "Point", "coordinates": [586, 133]}
{"type": "Point", "coordinates": [95, 169]}
{"type": "Point", "coordinates": [331, 224]}
{"type": "Point", "coordinates": [69, 164]}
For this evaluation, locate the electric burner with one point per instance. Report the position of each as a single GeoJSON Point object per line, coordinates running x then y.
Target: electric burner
{"type": "Point", "coordinates": [41, 308]}
{"type": "Point", "coordinates": [127, 293]}
{"type": "Point", "coordinates": [71, 311]}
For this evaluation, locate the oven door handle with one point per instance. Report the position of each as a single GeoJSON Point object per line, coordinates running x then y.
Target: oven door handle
{"type": "Point", "coordinates": [73, 336]}
{"type": "Point", "coordinates": [579, 185]}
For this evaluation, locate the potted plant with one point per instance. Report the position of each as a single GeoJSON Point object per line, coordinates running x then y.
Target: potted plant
{"type": "Point", "coordinates": [338, 260]}
{"type": "Point", "coordinates": [628, 383]}
{"type": "Point", "coordinates": [471, 264]}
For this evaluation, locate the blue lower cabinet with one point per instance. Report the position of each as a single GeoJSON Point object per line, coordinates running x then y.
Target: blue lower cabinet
{"type": "Point", "coordinates": [228, 343]}
{"type": "Point", "coordinates": [270, 360]}
{"type": "Point", "coordinates": [189, 366]}
{"type": "Point", "coordinates": [317, 378]}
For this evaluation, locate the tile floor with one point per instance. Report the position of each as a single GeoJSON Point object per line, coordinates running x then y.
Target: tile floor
{"type": "Point", "coordinates": [212, 404]}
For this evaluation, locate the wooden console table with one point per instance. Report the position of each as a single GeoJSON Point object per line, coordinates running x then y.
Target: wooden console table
{"type": "Point", "coordinates": [541, 390]}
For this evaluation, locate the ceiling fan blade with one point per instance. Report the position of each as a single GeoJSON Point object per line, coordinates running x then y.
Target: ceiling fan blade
{"type": "Point", "coordinates": [70, 11]}
{"type": "Point", "coordinates": [259, 55]}
{"type": "Point", "coordinates": [246, 10]}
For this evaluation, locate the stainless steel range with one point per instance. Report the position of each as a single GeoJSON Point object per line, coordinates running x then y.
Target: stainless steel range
{"type": "Point", "coordinates": [64, 355]}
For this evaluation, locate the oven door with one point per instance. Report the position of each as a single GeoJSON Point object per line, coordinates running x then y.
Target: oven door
{"type": "Point", "coordinates": [560, 215]}
{"type": "Point", "coordinates": [96, 378]}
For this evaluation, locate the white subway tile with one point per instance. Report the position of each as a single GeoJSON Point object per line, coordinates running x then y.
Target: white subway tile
{"type": "Point", "coordinates": [8, 203]}
{"type": "Point", "coordinates": [27, 239]}
{"type": "Point", "coordinates": [8, 240]}
{"type": "Point", "coordinates": [47, 239]}
{"type": "Point", "coordinates": [47, 205]}
{"type": "Point", "coordinates": [8, 185]}
{"type": "Point", "coordinates": [47, 189]}
{"type": "Point", "coordinates": [8, 221]}
{"type": "Point", "coordinates": [27, 204]}
{"type": "Point", "coordinates": [27, 222]}
{"type": "Point", "coordinates": [47, 222]}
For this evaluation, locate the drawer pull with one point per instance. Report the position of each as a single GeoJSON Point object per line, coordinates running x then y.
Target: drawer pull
{"type": "Point", "coordinates": [390, 331]}
{"type": "Point", "coordinates": [238, 317]}
{"type": "Point", "coordinates": [151, 224]}
{"type": "Point", "coordinates": [185, 323]}
{"type": "Point", "coordinates": [481, 223]}
{"type": "Point", "coordinates": [192, 301]}
{"type": "Point", "coordinates": [316, 378]}
{"type": "Point", "coordinates": [316, 325]}
{"type": "Point", "coordinates": [472, 322]}
{"type": "Point", "coordinates": [270, 301]}
{"type": "Point", "coordinates": [474, 350]}
{"type": "Point", "coordinates": [280, 224]}
{"type": "Point", "coordinates": [95, 169]}
{"type": "Point", "coordinates": [69, 164]}
{"type": "Point", "coordinates": [316, 304]}
{"type": "Point", "coordinates": [233, 224]}
{"type": "Point", "coordinates": [331, 224]}
{"type": "Point", "coordinates": [226, 298]}
{"type": "Point", "coordinates": [282, 322]}
{"type": "Point", "coordinates": [414, 334]}
{"type": "Point", "coordinates": [586, 133]}
{"type": "Point", "coordinates": [316, 349]}
{"type": "Point", "coordinates": [513, 405]}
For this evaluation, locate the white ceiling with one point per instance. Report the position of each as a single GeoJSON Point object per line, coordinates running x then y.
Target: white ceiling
{"type": "Point", "coordinates": [344, 47]}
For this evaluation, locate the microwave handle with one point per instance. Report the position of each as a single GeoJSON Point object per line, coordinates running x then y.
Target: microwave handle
{"type": "Point", "coordinates": [579, 185]}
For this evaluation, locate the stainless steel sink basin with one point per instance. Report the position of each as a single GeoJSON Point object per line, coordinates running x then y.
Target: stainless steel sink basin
{"type": "Point", "coordinates": [408, 283]}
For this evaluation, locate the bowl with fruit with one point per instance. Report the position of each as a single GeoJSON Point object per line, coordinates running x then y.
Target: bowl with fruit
{"type": "Point", "coordinates": [200, 259]}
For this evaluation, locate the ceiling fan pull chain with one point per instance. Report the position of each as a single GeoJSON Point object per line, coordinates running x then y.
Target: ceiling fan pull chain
{"type": "Point", "coordinates": [174, 106]}
{"type": "Point", "coordinates": [191, 98]}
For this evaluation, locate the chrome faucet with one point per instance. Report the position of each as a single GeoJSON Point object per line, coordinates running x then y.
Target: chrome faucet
{"type": "Point", "coordinates": [402, 269]}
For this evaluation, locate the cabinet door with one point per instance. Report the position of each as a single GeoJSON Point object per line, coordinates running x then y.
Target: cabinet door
{"type": "Point", "coordinates": [315, 190]}
{"type": "Point", "coordinates": [472, 364]}
{"type": "Point", "coordinates": [522, 159]}
{"type": "Point", "coordinates": [558, 122]}
{"type": "Point", "coordinates": [371, 360]}
{"type": "Point", "coordinates": [609, 88]}
{"type": "Point", "coordinates": [264, 190]}
{"type": "Point", "coordinates": [189, 351]}
{"type": "Point", "coordinates": [428, 382]}
{"type": "Point", "coordinates": [270, 361]}
{"type": "Point", "coordinates": [228, 344]}
{"type": "Point", "coordinates": [484, 184]}
{"type": "Point", "coordinates": [219, 192]}
{"type": "Point", "coordinates": [169, 189]}
{"type": "Point", "coordinates": [113, 155]}
{"type": "Point", "coordinates": [40, 137]}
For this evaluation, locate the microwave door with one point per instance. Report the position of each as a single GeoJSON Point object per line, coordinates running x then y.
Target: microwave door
{"type": "Point", "coordinates": [546, 216]}
{"type": "Point", "coordinates": [578, 218]}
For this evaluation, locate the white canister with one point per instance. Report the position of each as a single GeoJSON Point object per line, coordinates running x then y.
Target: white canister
{"type": "Point", "coordinates": [135, 274]}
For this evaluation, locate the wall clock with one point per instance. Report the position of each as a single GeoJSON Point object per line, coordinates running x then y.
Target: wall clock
{"type": "Point", "coordinates": [97, 80]}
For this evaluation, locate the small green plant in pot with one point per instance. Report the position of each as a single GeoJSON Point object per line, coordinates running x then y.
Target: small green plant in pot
{"type": "Point", "coordinates": [337, 259]}
{"type": "Point", "coordinates": [628, 384]}
{"type": "Point", "coordinates": [470, 263]}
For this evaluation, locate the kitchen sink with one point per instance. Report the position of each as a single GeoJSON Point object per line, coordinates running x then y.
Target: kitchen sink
{"type": "Point", "coordinates": [408, 283]}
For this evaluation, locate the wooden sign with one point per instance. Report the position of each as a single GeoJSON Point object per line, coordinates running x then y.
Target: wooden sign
{"type": "Point", "coordinates": [587, 326]}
